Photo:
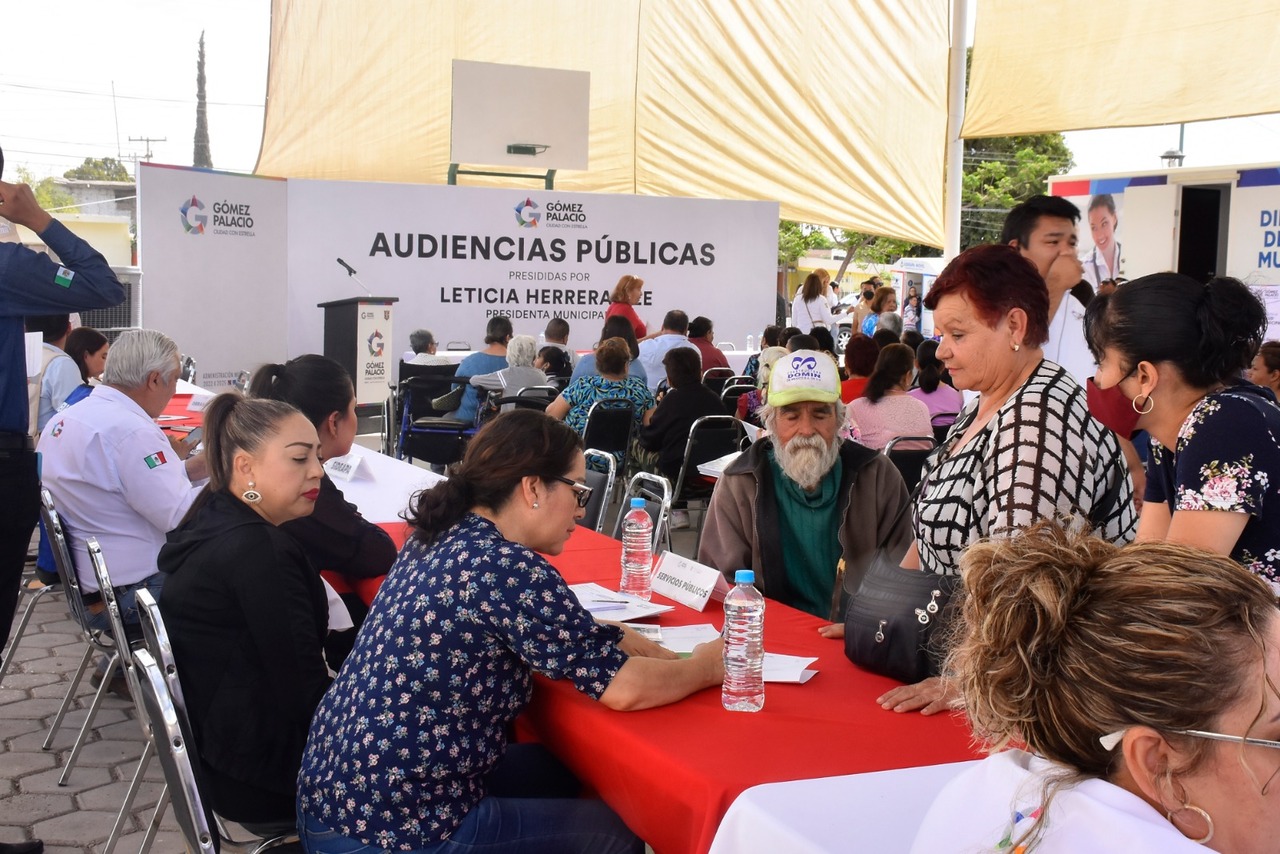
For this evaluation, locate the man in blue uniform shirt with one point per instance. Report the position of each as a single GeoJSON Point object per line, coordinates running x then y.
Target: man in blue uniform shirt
{"type": "Point", "coordinates": [33, 283]}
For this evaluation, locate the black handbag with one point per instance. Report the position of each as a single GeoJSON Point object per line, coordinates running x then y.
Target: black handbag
{"type": "Point", "coordinates": [893, 619]}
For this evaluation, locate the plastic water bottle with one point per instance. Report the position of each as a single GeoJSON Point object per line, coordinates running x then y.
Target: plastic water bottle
{"type": "Point", "coordinates": [751, 343]}
{"type": "Point", "coordinates": [637, 551]}
{"type": "Point", "coordinates": [542, 340]}
{"type": "Point", "coordinates": [743, 689]}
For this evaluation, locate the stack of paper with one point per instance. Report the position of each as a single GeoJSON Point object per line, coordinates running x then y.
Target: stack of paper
{"type": "Point", "coordinates": [777, 668]}
{"type": "Point", "coordinates": [715, 468]}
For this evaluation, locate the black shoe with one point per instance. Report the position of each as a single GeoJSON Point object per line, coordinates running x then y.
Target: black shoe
{"type": "Point", "coordinates": [120, 687]}
{"type": "Point", "coordinates": [35, 846]}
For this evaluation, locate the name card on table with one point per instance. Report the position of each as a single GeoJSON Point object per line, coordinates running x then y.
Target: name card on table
{"type": "Point", "coordinates": [687, 581]}
{"type": "Point", "coordinates": [199, 402]}
{"type": "Point", "coordinates": [343, 468]}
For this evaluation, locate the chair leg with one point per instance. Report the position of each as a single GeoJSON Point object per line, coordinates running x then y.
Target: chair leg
{"type": "Point", "coordinates": [112, 664]}
{"type": "Point", "coordinates": [153, 827]}
{"type": "Point", "coordinates": [22, 628]}
{"type": "Point", "coordinates": [276, 842]}
{"type": "Point", "coordinates": [70, 695]}
{"type": "Point", "coordinates": [134, 785]}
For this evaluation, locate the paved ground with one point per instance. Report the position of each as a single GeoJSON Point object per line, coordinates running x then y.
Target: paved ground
{"type": "Point", "coordinates": [78, 817]}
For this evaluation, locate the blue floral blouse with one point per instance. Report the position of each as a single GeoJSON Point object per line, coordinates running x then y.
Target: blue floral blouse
{"type": "Point", "coordinates": [402, 741]}
{"type": "Point", "coordinates": [1227, 457]}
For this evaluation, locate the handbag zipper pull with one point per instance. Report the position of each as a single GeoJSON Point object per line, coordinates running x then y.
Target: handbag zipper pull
{"type": "Point", "coordinates": [880, 631]}
{"type": "Point", "coordinates": [932, 607]}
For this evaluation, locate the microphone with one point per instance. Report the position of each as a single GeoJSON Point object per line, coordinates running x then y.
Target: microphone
{"type": "Point", "coordinates": [352, 273]}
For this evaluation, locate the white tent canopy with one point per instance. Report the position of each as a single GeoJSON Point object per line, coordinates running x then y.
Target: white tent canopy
{"type": "Point", "coordinates": [836, 109]}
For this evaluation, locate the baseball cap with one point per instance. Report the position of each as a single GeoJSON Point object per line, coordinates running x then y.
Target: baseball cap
{"type": "Point", "coordinates": [805, 375]}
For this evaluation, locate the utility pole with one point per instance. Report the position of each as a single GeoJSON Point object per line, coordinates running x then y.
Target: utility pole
{"type": "Point", "coordinates": [148, 140]}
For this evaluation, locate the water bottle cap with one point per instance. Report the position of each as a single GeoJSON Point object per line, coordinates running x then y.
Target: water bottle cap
{"type": "Point", "coordinates": [744, 576]}
{"type": "Point", "coordinates": [637, 502]}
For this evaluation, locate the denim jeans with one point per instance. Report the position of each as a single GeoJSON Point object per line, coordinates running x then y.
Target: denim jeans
{"type": "Point", "coordinates": [555, 824]}
{"type": "Point", "coordinates": [125, 600]}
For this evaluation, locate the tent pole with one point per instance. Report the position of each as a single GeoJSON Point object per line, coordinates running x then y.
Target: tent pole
{"type": "Point", "coordinates": [955, 117]}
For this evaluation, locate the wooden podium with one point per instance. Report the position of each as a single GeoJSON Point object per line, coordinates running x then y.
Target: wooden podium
{"type": "Point", "coordinates": [358, 336]}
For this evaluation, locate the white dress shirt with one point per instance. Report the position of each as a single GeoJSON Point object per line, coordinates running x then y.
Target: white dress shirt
{"type": "Point", "coordinates": [113, 475]}
{"type": "Point", "coordinates": [652, 351]}
{"type": "Point", "coordinates": [1067, 345]}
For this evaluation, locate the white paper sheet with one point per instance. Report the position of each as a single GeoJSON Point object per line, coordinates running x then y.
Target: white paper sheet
{"type": "Point", "coordinates": [777, 668]}
{"type": "Point", "coordinates": [715, 468]}
{"type": "Point", "coordinates": [606, 604]}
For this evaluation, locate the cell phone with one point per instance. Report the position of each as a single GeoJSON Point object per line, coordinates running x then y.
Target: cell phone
{"type": "Point", "coordinates": [194, 437]}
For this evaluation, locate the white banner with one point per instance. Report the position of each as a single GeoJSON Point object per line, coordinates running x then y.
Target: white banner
{"type": "Point", "coordinates": [212, 248]}
{"type": "Point", "coordinates": [236, 286]}
{"type": "Point", "coordinates": [456, 256]}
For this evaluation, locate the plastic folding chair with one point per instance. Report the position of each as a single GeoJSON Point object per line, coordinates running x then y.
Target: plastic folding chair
{"type": "Point", "coordinates": [95, 640]}
{"type": "Point", "coordinates": [910, 461]}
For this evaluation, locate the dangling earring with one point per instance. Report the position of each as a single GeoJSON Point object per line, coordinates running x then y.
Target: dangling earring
{"type": "Point", "coordinates": [1208, 820]}
{"type": "Point", "coordinates": [1146, 407]}
{"type": "Point", "coordinates": [251, 495]}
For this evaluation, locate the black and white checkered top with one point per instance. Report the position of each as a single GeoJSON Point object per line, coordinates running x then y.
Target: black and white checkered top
{"type": "Point", "coordinates": [1042, 455]}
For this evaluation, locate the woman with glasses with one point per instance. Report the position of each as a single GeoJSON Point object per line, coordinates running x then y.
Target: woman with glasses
{"type": "Point", "coordinates": [1128, 695]}
{"type": "Point", "coordinates": [411, 754]}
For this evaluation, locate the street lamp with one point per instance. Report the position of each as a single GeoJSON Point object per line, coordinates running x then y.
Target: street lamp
{"type": "Point", "coordinates": [1172, 158]}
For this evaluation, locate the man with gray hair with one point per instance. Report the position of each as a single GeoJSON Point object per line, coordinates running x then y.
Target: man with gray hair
{"type": "Point", "coordinates": [424, 346]}
{"type": "Point", "coordinates": [113, 473]}
{"type": "Point", "coordinates": [802, 503]}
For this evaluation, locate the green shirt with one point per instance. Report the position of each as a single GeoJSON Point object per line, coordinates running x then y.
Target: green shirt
{"type": "Point", "coordinates": [810, 540]}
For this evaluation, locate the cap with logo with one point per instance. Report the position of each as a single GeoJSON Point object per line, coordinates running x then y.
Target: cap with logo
{"type": "Point", "coordinates": [802, 376]}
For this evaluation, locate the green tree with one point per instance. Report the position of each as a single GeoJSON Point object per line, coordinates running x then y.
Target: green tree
{"type": "Point", "coordinates": [202, 157]}
{"type": "Point", "coordinates": [47, 192]}
{"type": "Point", "coordinates": [796, 238]}
{"type": "Point", "coordinates": [99, 169]}
{"type": "Point", "coordinates": [1000, 172]}
{"type": "Point", "coordinates": [874, 250]}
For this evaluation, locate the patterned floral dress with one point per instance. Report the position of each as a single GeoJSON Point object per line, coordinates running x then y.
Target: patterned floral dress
{"type": "Point", "coordinates": [1227, 457]}
{"type": "Point", "coordinates": [401, 743]}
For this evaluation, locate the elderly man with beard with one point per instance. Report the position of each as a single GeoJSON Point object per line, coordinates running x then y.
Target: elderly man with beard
{"type": "Point", "coordinates": [795, 506]}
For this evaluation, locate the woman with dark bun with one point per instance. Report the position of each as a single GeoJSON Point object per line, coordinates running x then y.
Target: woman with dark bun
{"type": "Point", "coordinates": [88, 349]}
{"type": "Point", "coordinates": [335, 536]}
{"type": "Point", "coordinates": [406, 749]}
{"type": "Point", "coordinates": [1128, 695]}
{"type": "Point", "coordinates": [246, 611]}
{"type": "Point", "coordinates": [1170, 355]}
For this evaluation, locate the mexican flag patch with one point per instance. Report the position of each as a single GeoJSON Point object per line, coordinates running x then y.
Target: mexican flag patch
{"type": "Point", "coordinates": [63, 277]}
{"type": "Point", "coordinates": [156, 459]}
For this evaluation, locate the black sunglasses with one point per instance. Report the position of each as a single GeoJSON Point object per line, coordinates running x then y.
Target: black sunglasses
{"type": "Point", "coordinates": [581, 492]}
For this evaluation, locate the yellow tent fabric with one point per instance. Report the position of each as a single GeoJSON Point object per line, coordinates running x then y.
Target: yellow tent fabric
{"type": "Point", "coordinates": [737, 99]}
{"type": "Point", "coordinates": [1045, 67]}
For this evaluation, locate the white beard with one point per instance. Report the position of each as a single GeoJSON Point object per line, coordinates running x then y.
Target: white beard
{"type": "Point", "coordinates": [806, 459]}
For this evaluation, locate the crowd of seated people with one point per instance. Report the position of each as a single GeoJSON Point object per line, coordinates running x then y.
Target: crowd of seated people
{"type": "Point", "coordinates": [1069, 575]}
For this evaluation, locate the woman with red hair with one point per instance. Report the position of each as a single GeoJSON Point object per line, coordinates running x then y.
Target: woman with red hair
{"type": "Point", "coordinates": [1026, 449]}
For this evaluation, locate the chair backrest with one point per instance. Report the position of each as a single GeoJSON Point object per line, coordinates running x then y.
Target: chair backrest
{"type": "Point", "coordinates": [458, 345]}
{"type": "Point", "coordinates": [601, 483]}
{"type": "Point", "coordinates": [729, 397]}
{"type": "Point", "coordinates": [727, 346]}
{"type": "Point", "coordinates": [710, 437]}
{"type": "Point", "coordinates": [176, 751]}
{"type": "Point", "coordinates": [156, 637]}
{"type": "Point", "coordinates": [62, 557]}
{"type": "Point", "coordinates": [657, 494]}
{"type": "Point", "coordinates": [741, 379]}
{"type": "Point", "coordinates": [610, 422]}
{"type": "Point", "coordinates": [716, 378]}
{"type": "Point", "coordinates": [550, 392]}
{"type": "Point", "coordinates": [940, 432]}
{"type": "Point", "coordinates": [119, 632]}
{"type": "Point", "coordinates": [910, 461]}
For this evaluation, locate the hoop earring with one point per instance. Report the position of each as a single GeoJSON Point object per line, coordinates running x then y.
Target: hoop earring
{"type": "Point", "coordinates": [251, 495]}
{"type": "Point", "coordinates": [1208, 820]}
{"type": "Point", "coordinates": [1146, 406]}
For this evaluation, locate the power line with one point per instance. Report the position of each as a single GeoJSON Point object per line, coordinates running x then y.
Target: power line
{"type": "Point", "coordinates": [152, 98]}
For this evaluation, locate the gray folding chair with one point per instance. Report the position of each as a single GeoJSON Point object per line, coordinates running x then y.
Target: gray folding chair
{"type": "Point", "coordinates": [710, 437]}
{"type": "Point", "coordinates": [33, 598]}
{"type": "Point", "coordinates": [125, 652]}
{"type": "Point", "coordinates": [656, 492]}
{"type": "Point", "coordinates": [601, 483]}
{"type": "Point", "coordinates": [95, 639]}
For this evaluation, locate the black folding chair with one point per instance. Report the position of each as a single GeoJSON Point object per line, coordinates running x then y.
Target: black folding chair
{"type": "Point", "coordinates": [940, 431]}
{"type": "Point", "coordinates": [729, 397]}
{"type": "Point", "coordinates": [910, 461]}
{"type": "Point", "coordinates": [717, 378]}
{"type": "Point", "coordinates": [601, 483]}
{"type": "Point", "coordinates": [609, 427]}
{"type": "Point", "coordinates": [710, 437]}
{"type": "Point", "coordinates": [656, 492]}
